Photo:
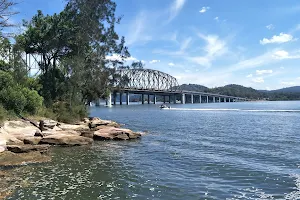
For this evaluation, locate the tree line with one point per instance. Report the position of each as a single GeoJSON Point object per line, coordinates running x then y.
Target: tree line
{"type": "Point", "coordinates": [72, 47]}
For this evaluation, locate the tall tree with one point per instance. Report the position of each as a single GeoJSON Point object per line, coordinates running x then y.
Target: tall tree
{"type": "Point", "coordinates": [5, 13]}
{"type": "Point", "coordinates": [74, 45]}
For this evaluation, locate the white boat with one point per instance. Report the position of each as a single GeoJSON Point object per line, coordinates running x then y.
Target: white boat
{"type": "Point", "coordinates": [164, 106]}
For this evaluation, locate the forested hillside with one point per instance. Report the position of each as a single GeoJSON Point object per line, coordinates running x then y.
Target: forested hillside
{"type": "Point", "coordinates": [291, 93]}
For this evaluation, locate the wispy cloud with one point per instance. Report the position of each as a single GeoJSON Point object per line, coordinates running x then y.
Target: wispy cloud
{"type": "Point", "coordinates": [270, 26]}
{"type": "Point", "coordinates": [249, 76]}
{"type": "Point", "coordinates": [264, 71]}
{"type": "Point", "coordinates": [204, 9]}
{"type": "Point", "coordinates": [281, 38]}
{"type": "Point", "coordinates": [258, 80]}
{"type": "Point", "coordinates": [175, 8]}
{"type": "Point", "coordinates": [154, 61]}
{"type": "Point", "coordinates": [171, 64]}
{"type": "Point", "coordinates": [216, 18]}
{"type": "Point", "coordinates": [214, 48]}
{"type": "Point", "coordinates": [273, 56]}
{"type": "Point", "coordinates": [137, 30]}
{"type": "Point", "coordinates": [182, 49]}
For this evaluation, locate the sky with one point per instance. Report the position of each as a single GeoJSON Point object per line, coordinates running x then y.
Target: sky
{"type": "Point", "coordinates": [207, 42]}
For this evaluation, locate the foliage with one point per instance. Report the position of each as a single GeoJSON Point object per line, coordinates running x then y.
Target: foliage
{"type": "Point", "coordinates": [33, 100]}
{"type": "Point", "coordinates": [17, 98]}
{"type": "Point", "coordinates": [69, 114]}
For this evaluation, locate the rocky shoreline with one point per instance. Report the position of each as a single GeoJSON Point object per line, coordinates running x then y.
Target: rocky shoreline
{"type": "Point", "coordinates": [22, 143]}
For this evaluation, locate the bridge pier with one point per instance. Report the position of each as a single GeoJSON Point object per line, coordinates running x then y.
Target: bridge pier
{"type": "Point", "coordinates": [192, 99]}
{"type": "Point", "coordinates": [169, 98]}
{"type": "Point", "coordinates": [164, 99]}
{"type": "Point", "coordinates": [219, 99]}
{"type": "Point", "coordinates": [108, 100]}
{"type": "Point", "coordinates": [121, 95]}
{"type": "Point", "coordinates": [207, 99]}
{"type": "Point", "coordinates": [200, 98]}
{"type": "Point", "coordinates": [214, 99]}
{"type": "Point", "coordinates": [114, 98]}
{"type": "Point", "coordinates": [127, 98]}
{"type": "Point", "coordinates": [183, 98]}
{"type": "Point", "coordinates": [154, 99]}
{"type": "Point", "coordinates": [143, 99]}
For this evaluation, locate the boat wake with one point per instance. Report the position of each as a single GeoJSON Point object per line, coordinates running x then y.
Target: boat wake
{"type": "Point", "coordinates": [228, 109]}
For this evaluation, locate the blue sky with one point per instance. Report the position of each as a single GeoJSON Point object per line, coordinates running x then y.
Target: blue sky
{"type": "Point", "coordinates": [208, 42]}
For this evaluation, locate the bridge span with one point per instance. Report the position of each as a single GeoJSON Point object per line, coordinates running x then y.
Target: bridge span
{"type": "Point", "coordinates": [153, 84]}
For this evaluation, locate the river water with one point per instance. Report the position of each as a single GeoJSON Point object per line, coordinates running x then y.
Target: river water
{"type": "Point", "coordinates": [248, 150]}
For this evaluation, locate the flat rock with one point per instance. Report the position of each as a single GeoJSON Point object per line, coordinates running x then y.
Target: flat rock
{"type": "Point", "coordinates": [32, 140]}
{"type": "Point", "coordinates": [71, 127]}
{"type": "Point", "coordinates": [2, 149]}
{"type": "Point", "coordinates": [66, 140]}
{"type": "Point", "coordinates": [8, 158]}
{"type": "Point", "coordinates": [88, 134]}
{"type": "Point", "coordinates": [27, 148]}
{"type": "Point", "coordinates": [112, 133]}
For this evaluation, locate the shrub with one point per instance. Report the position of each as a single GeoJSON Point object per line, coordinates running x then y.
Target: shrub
{"type": "Point", "coordinates": [13, 99]}
{"type": "Point", "coordinates": [6, 80]}
{"type": "Point", "coordinates": [69, 114]}
{"type": "Point", "coordinates": [33, 101]}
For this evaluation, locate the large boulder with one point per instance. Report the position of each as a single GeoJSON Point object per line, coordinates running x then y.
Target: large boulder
{"type": "Point", "coordinates": [66, 140]}
{"type": "Point", "coordinates": [27, 148]}
{"type": "Point", "coordinates": [95, 122]}
{"type": "Point", "coordinates": [112, 133]}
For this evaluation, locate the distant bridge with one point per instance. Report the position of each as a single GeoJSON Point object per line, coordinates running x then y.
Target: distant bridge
{"type": "Point", "coordinates": [153, 83]}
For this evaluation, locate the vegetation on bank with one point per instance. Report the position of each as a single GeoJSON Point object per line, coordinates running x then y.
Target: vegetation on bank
{"type": "Point", "coordinates": [284, 94]}
{"type": "Point", "coordinates": [72, 49]}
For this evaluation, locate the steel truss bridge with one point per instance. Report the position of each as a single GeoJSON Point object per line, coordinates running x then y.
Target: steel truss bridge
{"type": "Point", "coordinates": [148, 83]}
{"type": "Point", "coordinates": [151, 83]}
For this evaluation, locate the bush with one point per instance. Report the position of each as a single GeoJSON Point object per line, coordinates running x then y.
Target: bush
{"type": "Point", "coordinates": [33, 101]}
{"type": "Point", "coordinates": [6, 80]}
{"type": "Point", "coordinates": [3, 114]}
{"type": "Point", "coordinates": [13, 99]}
{"type": "Point", "coordinates": [69, 114]}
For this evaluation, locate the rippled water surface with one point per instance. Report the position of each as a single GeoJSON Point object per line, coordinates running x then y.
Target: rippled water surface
{"type": "Point", "coordinates": [200, 151]}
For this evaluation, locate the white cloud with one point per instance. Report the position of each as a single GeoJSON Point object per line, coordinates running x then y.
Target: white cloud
{"type": "Point", "coordinates": [214, 48]}
{"type": "Point", "coordinates": [264, 59]}
{"type": "Point", "coordinates": [117, 57]}
{"type": "Point", "coordinates": [289, 83]}
{"type": "Point", "coordinates": [175, 9]}
{"type": "Point", "coordinates": [216, 18]}
{"type": "Point", "coordinates": [281, 38]}
{"type": "Point", "coordinates": [270, 27]}
{"type": "Point", "coordinates": [264, 71]}
{"type": "Point", "coordinates": [258, 80]}
{"type": "Point", "coordinates": [204, 9]}
{"type": "Point", "coordinates": [154, 61]}
{"type": "Point", "coordinates": [249, 76]}
{"type": "Point", "coordinates": [281, 54]}
{"type": "Point", "coordinates": [171, 64]}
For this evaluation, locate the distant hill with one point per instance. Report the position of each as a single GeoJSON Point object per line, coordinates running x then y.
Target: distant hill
{"type": "Point", "coordinates": [291, 93]}
{"type": "Point", "coordinates": [238, 91]}
{"type": "Point", "coordinates": [194, 87]}
{"type": "Point", "coordinates": [294, 89]}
